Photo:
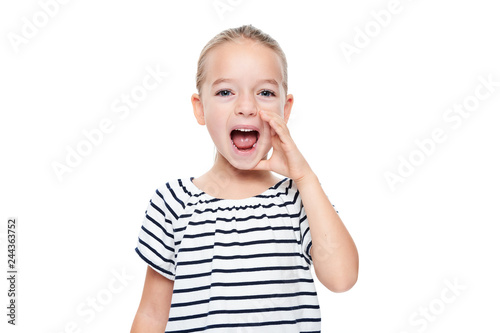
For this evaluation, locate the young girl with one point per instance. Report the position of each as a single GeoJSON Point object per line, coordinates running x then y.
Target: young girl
{"type": "Point", "coordinates": [231, 250]}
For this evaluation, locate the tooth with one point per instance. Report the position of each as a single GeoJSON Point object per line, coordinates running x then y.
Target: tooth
{"type": "Point", "coordinates": [244, 129]}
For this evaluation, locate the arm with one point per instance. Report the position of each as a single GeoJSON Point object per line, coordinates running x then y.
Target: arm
{"type": "Point", "coordinates": [335, 257]}
{"type": "Point", "coordinates": [154, 308]}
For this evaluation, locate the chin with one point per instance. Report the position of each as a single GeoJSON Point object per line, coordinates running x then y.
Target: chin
{"type": "Point", "coordinates": [244, 165]}
{"type": "Point", "coordinates": [249, 164]}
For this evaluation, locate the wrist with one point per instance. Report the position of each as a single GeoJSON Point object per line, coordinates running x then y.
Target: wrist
{"type": "Point", "coordinates": [306, 178]}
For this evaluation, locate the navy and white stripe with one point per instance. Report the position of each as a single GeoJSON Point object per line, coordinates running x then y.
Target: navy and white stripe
{"type": "Point", "coordinates": [238, 265]}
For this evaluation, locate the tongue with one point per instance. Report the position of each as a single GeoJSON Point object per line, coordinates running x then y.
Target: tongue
{"type": "Point", "coordinates": [244, 140]}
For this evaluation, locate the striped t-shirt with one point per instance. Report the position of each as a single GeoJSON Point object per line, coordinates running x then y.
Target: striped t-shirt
{"type": "Point", "coordinates": [239, 265]}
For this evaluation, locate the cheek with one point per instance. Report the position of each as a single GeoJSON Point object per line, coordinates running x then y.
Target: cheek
{"type": "Point", "coordinates": [282, 108]}
{"type": "Point", "coordinates": [277, 107]}
{"type": "Point", "coordinates": [216, 129]}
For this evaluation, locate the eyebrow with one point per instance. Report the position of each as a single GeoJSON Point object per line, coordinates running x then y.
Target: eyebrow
{"type": "Point", "coordinates": [222, 80]}
{"type": "Point", "coordinates": [271, 81]}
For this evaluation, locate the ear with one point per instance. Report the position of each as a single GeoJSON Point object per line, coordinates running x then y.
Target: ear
{"type": "Point", "coordinates": [288, 107]}
{"type": "Point", "coordinates": [198, 109]}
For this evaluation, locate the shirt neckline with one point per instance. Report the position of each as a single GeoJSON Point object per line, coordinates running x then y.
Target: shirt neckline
{"type": "Point", "coordinates": [267, 192]}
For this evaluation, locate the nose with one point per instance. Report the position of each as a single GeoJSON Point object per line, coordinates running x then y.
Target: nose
{"type": "Point", "coordinates": [246, 105]}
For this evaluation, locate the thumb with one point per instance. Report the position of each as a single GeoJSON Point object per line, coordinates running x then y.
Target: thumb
{"type": "Point", "coordinates": [262, 165]}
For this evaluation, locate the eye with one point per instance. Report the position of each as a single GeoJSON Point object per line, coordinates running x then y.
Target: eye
{"type": "Point", "coordinates": [267, 93]}
{"type": "Point", "coordinates": [224, 93]}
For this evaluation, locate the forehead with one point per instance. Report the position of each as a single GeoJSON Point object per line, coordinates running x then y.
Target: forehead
{"type": "Point", "coordinates": [243, 60]}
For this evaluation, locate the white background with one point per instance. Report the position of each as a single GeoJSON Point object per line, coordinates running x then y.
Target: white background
{"type": "Point", "coordinates": [351, 120]}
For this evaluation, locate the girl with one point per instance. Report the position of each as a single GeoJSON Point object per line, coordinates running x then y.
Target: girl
{"type": "Point", "coordinates": [238, 241]}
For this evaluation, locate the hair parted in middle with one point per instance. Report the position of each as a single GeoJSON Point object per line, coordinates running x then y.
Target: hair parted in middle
{"type": "Point", "coordinates": [233, 35]}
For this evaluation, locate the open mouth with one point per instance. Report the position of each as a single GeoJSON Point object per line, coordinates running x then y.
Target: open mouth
{"type": "Point", "coordinates": [244, 139]}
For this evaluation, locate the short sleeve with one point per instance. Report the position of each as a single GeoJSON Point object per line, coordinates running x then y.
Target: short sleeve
{"type": "Point", "coordinates": [155, 244]}
{"type": "Point", "coordinates": [305, 234]}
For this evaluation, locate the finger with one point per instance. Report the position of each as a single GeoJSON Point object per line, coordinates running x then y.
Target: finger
{"type": "Point", "coordinates": [279, 122]}
{"type": "Point", "coordinates": [282, 133]}
{"type": "Point", "coordinates": [267, 117]}
{"type": "Point", "coordinates": [276, 140]}
{"type": "Point", "coordinates": [273, 120]}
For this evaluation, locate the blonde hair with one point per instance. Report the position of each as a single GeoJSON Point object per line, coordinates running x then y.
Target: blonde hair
{"type": "Point", "coordinates": [233, 34]}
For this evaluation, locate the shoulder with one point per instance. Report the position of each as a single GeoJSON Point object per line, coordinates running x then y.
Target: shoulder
{"type": "Point", "coordinates": [174, 194]}
{"type": "Point", "coordinates": [289, 188]}
{"type": "Point", "coordinates": [286, 195]}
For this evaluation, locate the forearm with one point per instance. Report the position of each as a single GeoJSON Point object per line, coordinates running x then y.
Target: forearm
{"type": "Point", "coordinates": [145, 323]}
{"type": "Point", "coordinates": [334, 253]}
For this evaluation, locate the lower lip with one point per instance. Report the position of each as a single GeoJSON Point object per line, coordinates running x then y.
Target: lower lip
{"type": "Point", "coordinates": [245, 152]}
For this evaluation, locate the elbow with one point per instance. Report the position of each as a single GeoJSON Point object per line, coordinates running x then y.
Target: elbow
{"type": "Point", "coordinates": [339, 276]}
{"type": "Point", "coordinates": [340, 285]}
